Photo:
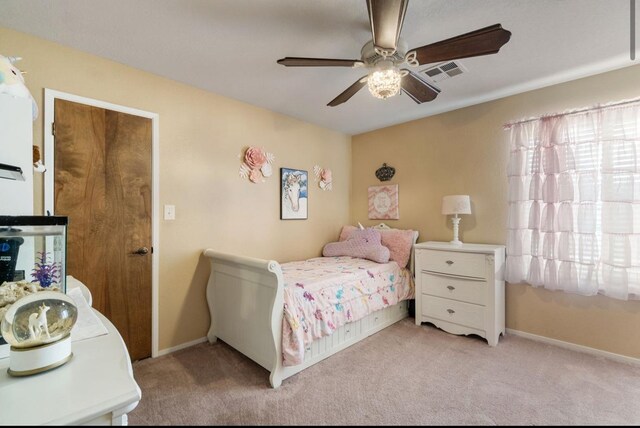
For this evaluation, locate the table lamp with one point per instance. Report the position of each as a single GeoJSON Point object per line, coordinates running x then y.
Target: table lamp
{"type": "Point", "coordinates": [456, 204]}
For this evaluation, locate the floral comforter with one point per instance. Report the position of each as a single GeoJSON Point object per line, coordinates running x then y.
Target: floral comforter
{"type": "Point", "coordinates": [324, 293]}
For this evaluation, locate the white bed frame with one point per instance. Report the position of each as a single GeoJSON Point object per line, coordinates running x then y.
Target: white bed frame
{"type": "Point", "coordinates": [246, 302]}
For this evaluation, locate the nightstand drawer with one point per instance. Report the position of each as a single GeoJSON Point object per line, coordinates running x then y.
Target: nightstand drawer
{"type": "Point", "coordinates": [466, 290]}
{"type": "Point", "coordinates": [465, 314]}
{"type": "Point", "coordinates": [453, 263]}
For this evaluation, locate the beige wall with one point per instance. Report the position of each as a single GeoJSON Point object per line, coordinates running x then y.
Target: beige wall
{"type": "Point", "coordinates": [465, 152]}
{"type": "Point", "coordinates": [201, 136]}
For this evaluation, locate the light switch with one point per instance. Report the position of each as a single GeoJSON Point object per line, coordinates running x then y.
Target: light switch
{"type": "Point", "coordinates": [169, 212]}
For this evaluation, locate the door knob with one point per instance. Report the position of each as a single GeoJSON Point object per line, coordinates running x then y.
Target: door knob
{"type": "Point", "coordinates": [141, 251]}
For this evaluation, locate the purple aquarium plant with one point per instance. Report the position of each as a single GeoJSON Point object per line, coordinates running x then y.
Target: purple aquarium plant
{"type": "Point", "coordinates": [44, 272]}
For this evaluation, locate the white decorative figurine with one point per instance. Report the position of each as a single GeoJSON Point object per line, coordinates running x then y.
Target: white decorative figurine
{"type": "Point", "coordinates": [12, 82]}
{"type": "Point", "coordinates": [38, 323]}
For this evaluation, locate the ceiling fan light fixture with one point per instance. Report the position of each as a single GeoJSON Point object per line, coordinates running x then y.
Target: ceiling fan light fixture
{"type": "Point", "coordinates": [385, 81]}
{"type": "Point", "coordinates": [387, 51]}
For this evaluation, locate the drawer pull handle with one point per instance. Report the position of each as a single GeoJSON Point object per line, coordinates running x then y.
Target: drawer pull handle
{"type": "Point", "coordinates": [451, 287]}
{"type": "Point", "coordinates": [451, 311]}
{"type": "Point", "coordinates": [449, 262]}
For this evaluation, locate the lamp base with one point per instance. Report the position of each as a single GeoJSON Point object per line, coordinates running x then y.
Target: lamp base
{"type": "Point", "coordinates": [456, 222]}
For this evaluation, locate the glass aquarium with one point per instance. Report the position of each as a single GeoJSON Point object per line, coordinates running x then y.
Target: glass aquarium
{"type": "Point", "coordinates": [33, 252]}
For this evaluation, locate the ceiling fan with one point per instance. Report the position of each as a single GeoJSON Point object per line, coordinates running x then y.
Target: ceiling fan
{"type": "Point", "coordinates": [387, 52]}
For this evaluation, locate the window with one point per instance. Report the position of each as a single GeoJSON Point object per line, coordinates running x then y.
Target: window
{"type": "Point", "coordinates": [574, 202]}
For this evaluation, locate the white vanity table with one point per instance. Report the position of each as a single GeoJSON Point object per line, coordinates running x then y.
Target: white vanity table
{"type": "Point", "coordinates": [95, 388]}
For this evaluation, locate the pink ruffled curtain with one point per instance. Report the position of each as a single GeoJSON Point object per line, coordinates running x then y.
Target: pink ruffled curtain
{"type": "Point", "coordinates": [574, 202]}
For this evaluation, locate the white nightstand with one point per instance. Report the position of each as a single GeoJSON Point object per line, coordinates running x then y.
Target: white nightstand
{"type": "Point", "coordinates": [460, 289]}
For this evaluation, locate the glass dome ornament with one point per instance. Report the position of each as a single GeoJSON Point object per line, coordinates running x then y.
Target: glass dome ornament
{"type": "Point", "coordinates": [38, 328]}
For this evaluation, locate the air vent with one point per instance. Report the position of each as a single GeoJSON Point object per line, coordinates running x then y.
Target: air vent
{"type": "Point", "coordinates": [444, 71]}
{"type": "Point", "coordinates": [433, 72]}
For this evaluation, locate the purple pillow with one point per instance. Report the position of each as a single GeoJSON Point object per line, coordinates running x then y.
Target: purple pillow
{"type": "Point", "coordinates": [363, 244]}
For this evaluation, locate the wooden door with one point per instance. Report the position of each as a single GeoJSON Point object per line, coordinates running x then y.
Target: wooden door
{"type": "Point", "coordinates": [103, 183]}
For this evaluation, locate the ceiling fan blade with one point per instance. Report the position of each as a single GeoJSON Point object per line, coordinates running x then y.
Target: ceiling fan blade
{"type": "Point", "coordinates": [386, 18]}
{"type": "Point", "coordinates": [484, 41]}
{"type": "Point", "coordinates": [419, 90]}
{"type": "Point", "coordinates": [349, 92]}
{"type": "Point", "coordinates": [318, 62]}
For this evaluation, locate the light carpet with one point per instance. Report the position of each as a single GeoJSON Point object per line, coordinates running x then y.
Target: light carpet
{"type": "Point", "coordinates": [403, 375]}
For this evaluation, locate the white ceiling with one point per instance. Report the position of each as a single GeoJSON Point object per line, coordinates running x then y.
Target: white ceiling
{"type": "Point", "coordinates": [230, 47]}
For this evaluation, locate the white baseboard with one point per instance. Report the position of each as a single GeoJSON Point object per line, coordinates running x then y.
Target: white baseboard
{"type": "Point", "coordinates": [574, 347]}
{"type": "Point", "coordinates": [181, 346]}
{"type": "Point", "coordinates": [556, 342]}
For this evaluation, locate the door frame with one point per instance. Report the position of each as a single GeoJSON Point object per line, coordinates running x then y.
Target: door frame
{"type": "Point", "coordinates": [50, 96]}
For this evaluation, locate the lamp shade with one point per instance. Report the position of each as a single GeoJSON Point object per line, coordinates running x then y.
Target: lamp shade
{"type": "Point", "coordinates": [456, 204]}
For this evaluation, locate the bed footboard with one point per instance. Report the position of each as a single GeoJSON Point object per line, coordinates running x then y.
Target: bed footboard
{"type": "Point", "coordinates": [246, 299]}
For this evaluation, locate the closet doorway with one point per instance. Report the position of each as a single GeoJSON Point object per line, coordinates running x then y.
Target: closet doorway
{"type": "Point", "coordinates": [102, 179]}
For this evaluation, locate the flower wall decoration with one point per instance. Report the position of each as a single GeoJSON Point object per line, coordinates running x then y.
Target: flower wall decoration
{"type": "Point", "coordinates": [323, 176]}
{"type": "Point", "coordinates": [256, 164]}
